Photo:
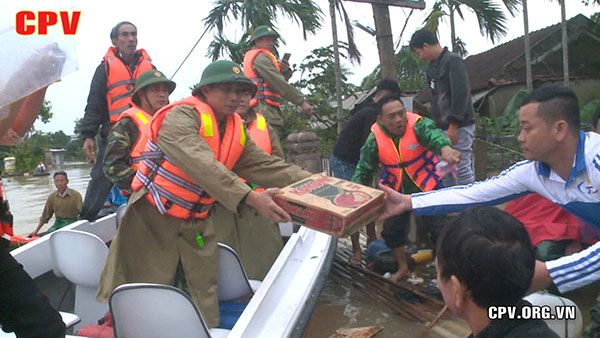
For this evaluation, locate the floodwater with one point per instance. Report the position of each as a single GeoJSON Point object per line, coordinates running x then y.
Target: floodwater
{"type": "Point", "coordinates": [27, 195]}
{"type": "Point", "coordinates": [338, 307]}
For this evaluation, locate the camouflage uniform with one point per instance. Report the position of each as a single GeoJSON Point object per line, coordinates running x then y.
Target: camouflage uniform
{"type": "Point", "coordinates": [121, 140]}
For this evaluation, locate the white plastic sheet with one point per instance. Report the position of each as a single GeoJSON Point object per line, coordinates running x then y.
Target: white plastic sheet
{"type": "Point", "coordinates": [29, 63]}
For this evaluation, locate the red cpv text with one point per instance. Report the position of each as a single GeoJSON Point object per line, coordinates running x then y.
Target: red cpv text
{"type": "Point", "coordinates": [28, 22]}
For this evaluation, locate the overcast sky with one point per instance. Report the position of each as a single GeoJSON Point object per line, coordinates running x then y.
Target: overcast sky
{"type": "Point", "coordinates": [169, 29]}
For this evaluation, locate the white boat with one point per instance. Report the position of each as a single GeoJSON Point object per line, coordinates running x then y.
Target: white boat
{"type": "Point", "coordinates": [280, 307]}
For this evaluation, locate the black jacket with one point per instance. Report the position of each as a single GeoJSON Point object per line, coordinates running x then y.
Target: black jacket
{"type": "Point", "coordinates": [354, 135]}
{"type": "Point", "coordinates": [450, 91]}
{"type": "Point", "coordinates": [96, 110]}
{"type": "Point", "coordinates": [506, 328]}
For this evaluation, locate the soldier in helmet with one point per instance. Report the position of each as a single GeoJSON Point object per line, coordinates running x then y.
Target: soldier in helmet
{"type": "Point", "coordinates": [196, 151]}
{"type": "Point", "coordinates": [263, 68]}
{"type": "Point", "coordinates": [128, 137]}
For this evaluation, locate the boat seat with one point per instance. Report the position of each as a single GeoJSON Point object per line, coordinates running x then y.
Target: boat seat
{"type": "Point", "coordinates": [147, 310]}
{"type": "Point", "coordinates": [233, 281]}
{"type": "Point", "coordinates": [79, 257]}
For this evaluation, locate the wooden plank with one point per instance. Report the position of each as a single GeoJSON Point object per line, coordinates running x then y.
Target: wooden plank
{"type": "Point", "coordinates": [416, 4]}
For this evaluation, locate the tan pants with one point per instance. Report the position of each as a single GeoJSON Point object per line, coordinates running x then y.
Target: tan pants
{"type": "Point", "coordinates": [256, 240]}
{"type": "Point", "coordinates": [148, 247]}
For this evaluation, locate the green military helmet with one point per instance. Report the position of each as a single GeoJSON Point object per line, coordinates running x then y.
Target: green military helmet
{"type": "Point", "coordinates": [223, 71]}
{"type": "Point", "coordinates": [262, 31]}
{"type": "Point", "coordinates": [151, 77]}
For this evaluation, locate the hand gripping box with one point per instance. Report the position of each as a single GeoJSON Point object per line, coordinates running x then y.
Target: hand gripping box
{"type": "Point", "coordinates": [331, 205]}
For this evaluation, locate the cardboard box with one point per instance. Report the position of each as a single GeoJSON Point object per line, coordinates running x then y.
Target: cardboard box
{"type": "Point", "coordinates": [331, 205]}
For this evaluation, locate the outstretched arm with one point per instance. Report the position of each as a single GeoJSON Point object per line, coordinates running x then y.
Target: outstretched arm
{"type": "Point", "coordinates": [395, 203]}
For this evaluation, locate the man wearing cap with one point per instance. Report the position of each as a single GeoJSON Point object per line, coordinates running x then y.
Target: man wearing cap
{"type": "Point", "coordinates": [109, 96]}
{"type": "Point", "coordinates": [196, 151]}
{"type": "Point", "coordinates": [128, 137]}
{"type": "Point", "coordinates": [263, 68]}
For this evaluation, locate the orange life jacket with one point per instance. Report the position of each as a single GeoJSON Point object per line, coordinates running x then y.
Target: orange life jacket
{"type": "Point", "coordinates": [170, 190]}
{"type": "Point", "coordinates": [418, 161]}
{"type": "Point", "coordinates": [265, 91]}
{"type": "Point", "coordinates": [259, 133]}
{"type": "Point", "coordinates": [141, 120]}
{"type": "Point", "coordinates": [120, 81]}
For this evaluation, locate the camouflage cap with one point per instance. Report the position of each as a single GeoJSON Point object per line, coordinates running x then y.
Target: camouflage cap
{"type": "Point", "coordinates": [224, 71]}
{"type": "Point", "coordinates": [262, 31]}
{"type": "Point", "coordinates": [151, 77]}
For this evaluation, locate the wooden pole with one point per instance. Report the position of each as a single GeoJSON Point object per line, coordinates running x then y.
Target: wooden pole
{"type": "Point", "coordinates": [385, 42]}
{"type": "Point", "coordinates": [433, 322]}
{"type": "Point", "coordinates": [338, 68]}
{"type": "Point", "coordinates": [527, 48]}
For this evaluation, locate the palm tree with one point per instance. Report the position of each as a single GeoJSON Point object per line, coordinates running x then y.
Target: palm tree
{"type": "Point", "coordinates": [254, 13]}
{"type": "Point", "coordinates": [490, 17]}
{"type": "Point", "coordinates": [353, 53]}
{"type": "Point", "coordinates": [235, 50]}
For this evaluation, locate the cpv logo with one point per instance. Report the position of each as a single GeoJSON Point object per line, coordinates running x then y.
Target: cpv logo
{"type": "Point", "coordinates": [587, 188]}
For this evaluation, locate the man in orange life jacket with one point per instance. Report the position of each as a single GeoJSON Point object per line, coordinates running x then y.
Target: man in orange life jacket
{"type": "Point", "coordinates": [401, 147]}
{"type": "Point", "coordinates": [24, 310]}
{"type": "Point", "coordinates": [128, 137]}
{"type": "Point", "coordinates": [259, 129]}
{"type": "Point", "coordinates": [196, 151]}
{"type": "Point", "coordinates": [256, 240]}
{"type": "Point", "coordinates": [263, 68]}
{"type": "Point", "coordinates": [109, 96]}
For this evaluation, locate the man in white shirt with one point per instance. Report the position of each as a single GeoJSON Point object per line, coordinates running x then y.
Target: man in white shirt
{"type": "Point", "coordinates": [563, 165]}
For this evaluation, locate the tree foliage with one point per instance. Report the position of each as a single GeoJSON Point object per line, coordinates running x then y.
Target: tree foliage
{"type": "Point", "coordinates": [318, 79]}
{"type": "Point", "coordinates": [31, 151]}
{"type": "Point", "coordinates": [410, 68]}
{"type": "Point", "coordinates": [253, 13]}
{"type": "Point", "coordinates": [45, 112]}
{"type": "Point", "coordinates": [490, 18]}
{"type": "Point", "coordinates": [353, 51]}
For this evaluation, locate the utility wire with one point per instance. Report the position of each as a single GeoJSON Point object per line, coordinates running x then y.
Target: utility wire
{"type": "Point", "coordinates": [188, 55]}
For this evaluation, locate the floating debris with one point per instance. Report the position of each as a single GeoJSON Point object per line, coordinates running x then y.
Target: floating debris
{"type": "Point", "coordinates": [359, 332]}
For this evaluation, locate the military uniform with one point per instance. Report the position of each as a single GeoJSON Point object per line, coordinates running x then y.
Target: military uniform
{"type": "Point", "coordinates": [269, 73]}
{"type": "Point", "coordinates": [123, 135]}
{"type": "Point", "coordinates": [265, 68]}
{"type": "Point", "coordinates": [256, 240]}
{"type": "Point", "coordinates": [149, 246]}
{"type": "Point", "coordinates": [116, 166]}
